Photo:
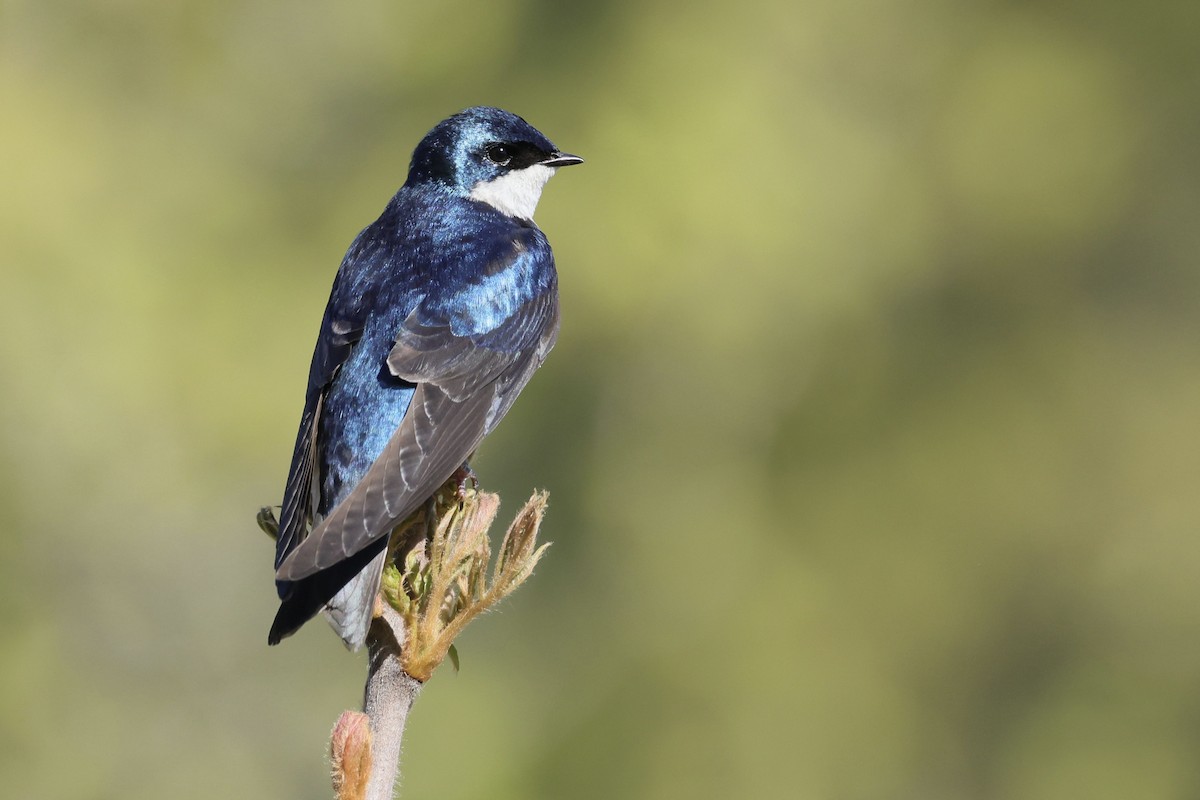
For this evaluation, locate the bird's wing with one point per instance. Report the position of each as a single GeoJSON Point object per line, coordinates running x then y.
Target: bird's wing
{"type": "Point", "coordinates": [334, 345]}
{"type": "Point", "coordinates": [466, 381]}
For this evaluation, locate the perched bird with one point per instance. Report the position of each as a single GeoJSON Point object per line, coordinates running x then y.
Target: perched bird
{"type": "Point", "coordinates": [440, 312]}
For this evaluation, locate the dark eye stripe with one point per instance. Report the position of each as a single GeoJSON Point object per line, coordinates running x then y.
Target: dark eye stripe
{"type": "Point", "coordinates": [515, 155]}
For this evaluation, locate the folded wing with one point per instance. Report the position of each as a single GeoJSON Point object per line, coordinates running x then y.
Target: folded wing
{"type": "Point", "coordinates": [465, 382]}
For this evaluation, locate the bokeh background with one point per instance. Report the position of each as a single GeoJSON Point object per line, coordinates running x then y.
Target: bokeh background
{"type": "Point", "coordinates": [871, 433]}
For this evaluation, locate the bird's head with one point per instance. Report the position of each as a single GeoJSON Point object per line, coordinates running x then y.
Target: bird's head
{"type": "Point", "coordinates": [489, 155]}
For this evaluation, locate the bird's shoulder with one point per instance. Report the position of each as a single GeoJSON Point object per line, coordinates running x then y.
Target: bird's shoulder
{"type": "Point", "coordinates": [436, 261]}
{"type": "Point", "coordinates": [436, 243]}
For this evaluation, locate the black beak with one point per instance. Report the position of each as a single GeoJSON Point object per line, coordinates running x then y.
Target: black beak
{"type": "Point", "coordinates": [561, 160]}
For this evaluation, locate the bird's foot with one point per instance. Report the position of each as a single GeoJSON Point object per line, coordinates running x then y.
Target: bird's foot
{"type": "Point", "coordinates": [268, 522]}
{"type": "Point", "coordinates": [461, 477]}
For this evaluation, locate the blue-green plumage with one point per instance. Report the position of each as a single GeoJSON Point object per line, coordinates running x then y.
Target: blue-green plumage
{"type": "Point", "coordinates": [439, 314]}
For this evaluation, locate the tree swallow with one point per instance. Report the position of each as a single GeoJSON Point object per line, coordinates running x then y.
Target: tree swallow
{"type": "Point", "coordinates": [440, 312]}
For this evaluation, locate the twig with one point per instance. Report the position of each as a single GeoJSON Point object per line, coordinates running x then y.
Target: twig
{"type": "Point", "coordinates": [424, 603]}
{"type": "Point", "coordinates": [389, 694]}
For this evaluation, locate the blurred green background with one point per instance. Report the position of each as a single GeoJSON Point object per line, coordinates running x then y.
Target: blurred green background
{"type": "Point", "coordinates": [871, 433]}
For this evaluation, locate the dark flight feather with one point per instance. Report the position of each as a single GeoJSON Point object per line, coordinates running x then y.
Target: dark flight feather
{"type": "Point", "coordinates": [463, 389]}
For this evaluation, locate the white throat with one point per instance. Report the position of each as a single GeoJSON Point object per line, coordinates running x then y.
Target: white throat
{"type": "Point", "coordinates": [515, 193]}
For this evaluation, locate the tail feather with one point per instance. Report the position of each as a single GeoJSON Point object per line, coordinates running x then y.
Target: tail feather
{"type": "Point", "coordinates": [346, 590]}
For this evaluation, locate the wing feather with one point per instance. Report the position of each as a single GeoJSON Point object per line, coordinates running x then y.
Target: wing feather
{"type": "Point", "coordinates": [465, 384]}
{"type": "Point", "coordinates": [334, 346]}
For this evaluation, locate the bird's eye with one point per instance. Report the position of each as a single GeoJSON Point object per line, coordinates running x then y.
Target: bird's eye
{"type": "Point", "coordinates": [499, 154]}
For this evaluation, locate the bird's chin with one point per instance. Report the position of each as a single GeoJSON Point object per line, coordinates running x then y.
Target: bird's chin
{"type": "Point", "coordinates": [516, 193]}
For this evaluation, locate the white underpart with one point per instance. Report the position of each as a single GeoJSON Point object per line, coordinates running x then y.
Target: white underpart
{"type": "Point", "coordinates": [515, 193]}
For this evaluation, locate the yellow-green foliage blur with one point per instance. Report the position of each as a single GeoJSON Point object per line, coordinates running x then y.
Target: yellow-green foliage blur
{"type": "Point", "coordinates": [871, 435]}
